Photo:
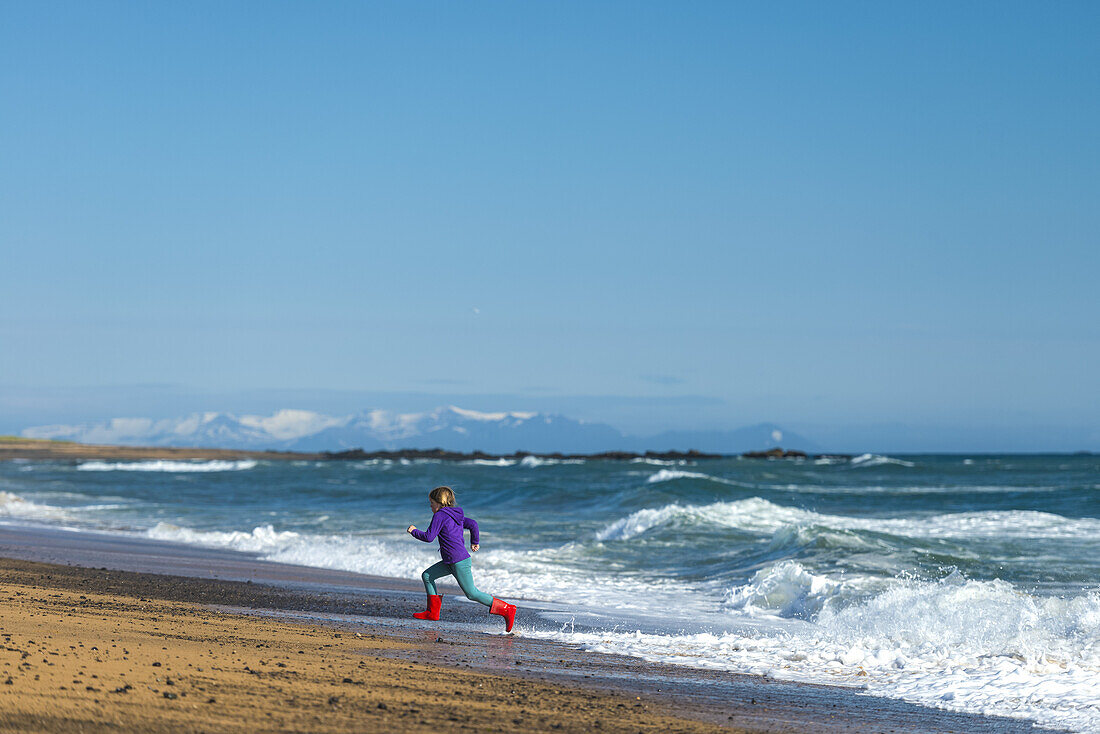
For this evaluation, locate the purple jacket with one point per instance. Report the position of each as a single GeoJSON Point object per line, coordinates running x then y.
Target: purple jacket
{"type": "Point", "coordinates": [448, 524]}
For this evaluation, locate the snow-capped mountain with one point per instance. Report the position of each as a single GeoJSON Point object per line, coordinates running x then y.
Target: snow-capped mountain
{"type": "Point", "coordinates": [457, 429]}
{"type": "Point", "coordinates": [451, 428]}
{"type": "Point", "coordinates": [213, 430]}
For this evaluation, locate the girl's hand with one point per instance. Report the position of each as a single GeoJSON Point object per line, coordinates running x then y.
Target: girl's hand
{"type": "Point", "coordinates": [475, 547]}
{"type": "Point", "coordinates": [410, 529]}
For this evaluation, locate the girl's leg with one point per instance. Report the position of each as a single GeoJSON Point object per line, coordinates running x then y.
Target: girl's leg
{"type": "Point", "coordinates": [432, 573]}
{"type": "Point", "coordinates": [464, 573]}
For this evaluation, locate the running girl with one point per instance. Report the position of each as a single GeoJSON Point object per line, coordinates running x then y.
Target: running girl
{"type": "Point", "coordinates": [448, 523]}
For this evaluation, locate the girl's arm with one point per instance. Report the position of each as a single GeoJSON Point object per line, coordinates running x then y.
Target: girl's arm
{"type": "Point", "coordinates": [433, 529]}
{"type": "Point", "coordinates": [471, 524]}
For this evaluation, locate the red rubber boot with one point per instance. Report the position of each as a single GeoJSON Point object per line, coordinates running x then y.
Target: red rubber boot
{"type": "Point", "coordinates": [432, 612]}
{"type": "Point", "coordinates": [506, 610]}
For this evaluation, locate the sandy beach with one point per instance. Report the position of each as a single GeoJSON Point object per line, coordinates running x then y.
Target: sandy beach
{"type": "Point", "coordinates": [16, 447]}
{"type": "Point", "coordinates": [216, 641]}
{"type": "Point", "coordinates": [80, 659]}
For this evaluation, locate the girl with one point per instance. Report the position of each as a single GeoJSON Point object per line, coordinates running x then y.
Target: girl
{"type": "Point", "coordinates": [448, 522]}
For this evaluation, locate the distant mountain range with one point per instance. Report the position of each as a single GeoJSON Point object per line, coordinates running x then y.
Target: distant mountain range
{"type": "Point", "coordinates": [451, 428]}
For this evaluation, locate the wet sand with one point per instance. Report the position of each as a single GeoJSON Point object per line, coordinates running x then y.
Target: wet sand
{"type": "Point", "coordinates": [81, 659]}
{"type": "Point", "coordinates": [282, 647]}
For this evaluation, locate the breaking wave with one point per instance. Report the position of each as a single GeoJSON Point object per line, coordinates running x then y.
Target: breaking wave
{"type": "Point", "coordinates": [758, 515]}
{"type": "Point", "coordinates": [827, 574]}
{"type": "Point", "coordinates": [12, 505]}
{"type": "Point", "coordinates": [785, 590]}
{"type": "Point", "coordinates": [538, 574]}
{"type": "Point", "coordinates": [966, 645]}
{"type": "Point", "coordinates": [877, 460]}
{"type": "Point", "coordinates": [753, 514]}
{"type": "Point", "coordinates": [532, 462]}
{"type": "Point", "coordinates": [668, 475]}
{"type": "Point", "coordinates": [161, 465]}
{"type": "Point", "coordinates": [982, 646]}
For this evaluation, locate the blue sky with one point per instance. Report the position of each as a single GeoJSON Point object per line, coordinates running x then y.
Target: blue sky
{"type": "Point", "coordinates": [816, 214]}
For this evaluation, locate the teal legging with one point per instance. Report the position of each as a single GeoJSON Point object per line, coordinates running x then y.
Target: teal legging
{"type": "Point", "coordinates": [463, 571]}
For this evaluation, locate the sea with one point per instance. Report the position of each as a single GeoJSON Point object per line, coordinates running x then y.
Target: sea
{"type": "Point", "coordinates": [962, 582]}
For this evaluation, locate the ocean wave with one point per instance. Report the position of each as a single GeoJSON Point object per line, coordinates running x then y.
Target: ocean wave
{"type": "Point", "coordinates": [981, 646]}
{"type": "Point", "coordinates": [991, 618]}
{"type": "Point", "coordinates": [993, 524]}
{"type": "Point", "coordinates": [828, 461]}
{"type": "Point", "coordinates": [977, 646]}
{"type": "Point", "coordinates": [161, 465]}
{"type": "Point", "coordinates": [260, 539]}
{"type": "Point", "coordinates": [757, 515]}
{"type": "Point", "coordinates": [886, 491]}
{"type": "Point", "coordinates": [785, 590]}
{"type": "Point", "coordinates": [866, 460]}
{"type": "Point", "coordinates": [12, 505]}
{"type": "Point", "coordinates": [546, 574]}
{"type": "Point", "coordinates": [532, 462]}
{"type": "Point", "coordinates": [753, 514]}
{"type": "Point", "coordinates": [338, 551]}
{"type": "Point", "coordinates": [387, 463]}
{"type": "Point", "coordinates": [668, 475]}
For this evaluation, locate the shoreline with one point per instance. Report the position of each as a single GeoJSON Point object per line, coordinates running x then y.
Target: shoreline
{"type": "Point", "coordinates": [12, 447]}
{"type": "Point", "coordinates": [285, 595]}
{"type": "Point", "coordinates": [35, 449]}
{"type": "Point", "coordinates": [40, 449]}
{"type": "Point", "coordinates": [77, 656]}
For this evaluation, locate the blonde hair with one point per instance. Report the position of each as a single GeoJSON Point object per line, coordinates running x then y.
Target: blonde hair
{"type": "Point", "coordinates": [444, 496]}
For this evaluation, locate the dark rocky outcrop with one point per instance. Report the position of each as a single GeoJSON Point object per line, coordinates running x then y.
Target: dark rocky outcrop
{"type": "Point", "coordinates": [776, 453]}
{"type": "Point", "coordinates": [444, 455]}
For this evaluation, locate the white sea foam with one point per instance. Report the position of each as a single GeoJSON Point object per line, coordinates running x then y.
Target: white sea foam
{"type": "Point", "coordinates": [976, 646]}
{"type": "Point", "coordinates": [877, 460]}
{"type": "Point", "coordinates": [979, 646]}
{"type": "Point", "coordinates": [528, 462]}
{"type": "Point", "coordinates": [545, 574]}
{"type": "Point", "coordinates": [668, 475]}
{"type": "Point", "coordinates": [982, 646]}
{"type": "Point", "coordinates": [12, 505]}
{"type": "Point", "coordinates": [888, 491]}
{"type": "Point", "coordinates": [753, 514]}
{"type": "Point", "coordinates": [161, 465]}
{"type": "Point", "coordinates": [786, 590]}
{"type": "Point", "coordinates": [261, 539]}
{"type": "Point", "coordinates": [532, 462]}
{"type": "Point", "coordinates": [758, 515]}
{"type": "Point", "coordinates": [995, 524]}
{"type": "Point", "coordinates": [828, 461]}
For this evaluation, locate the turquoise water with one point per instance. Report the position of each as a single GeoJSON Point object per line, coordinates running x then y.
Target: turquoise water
{"type": "Point", "coordinates": [965, 582]}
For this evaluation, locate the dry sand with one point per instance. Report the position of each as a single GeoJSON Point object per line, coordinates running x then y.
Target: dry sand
{"type": "Point", "coordinates": [14, 447]}
{"type": "Point", "coordinates": [73, 658]}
